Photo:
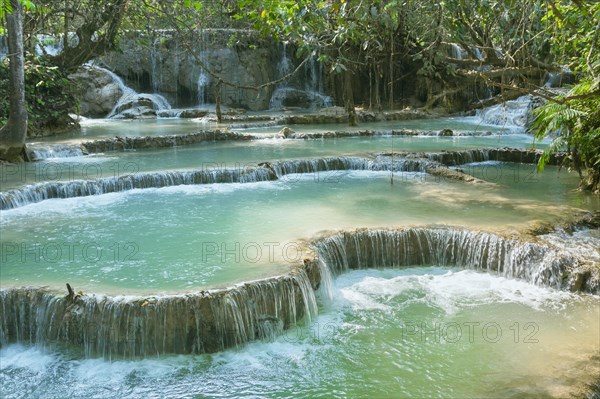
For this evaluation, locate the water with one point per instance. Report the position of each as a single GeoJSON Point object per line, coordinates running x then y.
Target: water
{"type": "Point", "coordinates": [203, 80]}
{"type": "Point", "coordinates": [383, 333]}
{"type": "Point", "coordinates": [105, 128]}
{"type": "Point", "coordinates": [511, 114]}
{"type": "Point", "coordinates": [198, 236]}
{"type": "Point", "coordinates": [421, 332]}
{"type": "Point", "coordinates": [203, 76]}
{"type": "Point", "coordinates": [61, 165]}
{"type": "Point", "coordinates": [130, 96]}
{"type": "Point", "coordinates": [313, 83]}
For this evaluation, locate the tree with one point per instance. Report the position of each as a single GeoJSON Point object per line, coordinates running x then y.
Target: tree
{"type": "Point", "coordinates": [13, 134]}
{"type": "Point", "coordinates": [574, 118]}
{"type": "Point", "coordinates": [88, 28]}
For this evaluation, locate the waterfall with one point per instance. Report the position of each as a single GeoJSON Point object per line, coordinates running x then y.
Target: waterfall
{"type": "Point", "coordinates": [455, 158]}
{"type": "Point", "coordinates": [131, 97]}
{"type": "Point", "coordinates": [127, 91]}
{"type": "Point", "coordinates": [314, 83]}
{"type": "Point", "coordinates": [41, 151]}
{"type": "Point", "coordinates": [283, 168]}
{"type": "Point", "coordinates": [284, 67]}
{"type": "Point", "coordinates": [210, 321]}
{"type": "Point", "coordinates": [203, 77]}
{"type": "Point", "coordinates": [156, 61]}
{"type": "Point", "coordinates": [310, 96]}
{"type": "Point", "coordinates": [203, 81]}
{"type": "Point", "coordinates": [511, 114]}
{"type": "Point", "coordinates": [456, 51]}
{"type": "Point", "coordinates": [440, 246]}
{"type": "Point", "coordinates": [126, 327]}
{"type": "Point", "coordinates": [48, 44]}
{"type": "Point", "coordinates": [267, 171]}
{"type": "Point", "coordinates": [433, 163]}
{"type": "Point", "coordinates": [81, 188]}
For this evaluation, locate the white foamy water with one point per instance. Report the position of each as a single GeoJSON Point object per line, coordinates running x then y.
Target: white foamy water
{"type": "Point", "coordinates": [377, 338]}
{"type": "Point", "coordinates": [446, 290]}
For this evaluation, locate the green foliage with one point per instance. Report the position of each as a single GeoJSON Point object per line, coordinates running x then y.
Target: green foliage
{"type": "Point", "coordinates": [575, 120]}
{"type": "Point", "coordinates": [5, 8]}
{"type": "Point", "coordinates": [571, 27]}
{"type": "Point", "coordinates": [49, 94]}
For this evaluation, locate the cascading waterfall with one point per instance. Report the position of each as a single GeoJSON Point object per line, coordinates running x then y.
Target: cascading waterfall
{"type": "Point", "coordinates": [156, 61]}
{"type": "Point", "coordinates": [456, 51]}
{"type": "Point", "coordinates": [314, 83]}
{"type": "Point", "coordinates": [131, 326]}
{"type": "Point", "coordinates": [41, 151]}
{"type": "Point", "coordinates": [284, 67]}
{"type": "Point", "coordinates": [432, 163]}
{"type": "Point", "coordinates": [511, 114]}
{"type": "Point", "coordinates": [215, 320]}
{"type": "Point", "coordinates": [203, 81]}
{"type": "Point", "coordinates": [130, 96]}
{"type": "Point", "coordinates": [266, 171]}
{"type": "Point", "coordinates": [478, 54]}
{"type": "Point", "coordinates": [48, 44]}
{"type": "Point", "coordinates": [203, 77]}
{"type": "Point", "coordinates": [533, 262]}
{"type": "Point", "coordinates": [81, 188]}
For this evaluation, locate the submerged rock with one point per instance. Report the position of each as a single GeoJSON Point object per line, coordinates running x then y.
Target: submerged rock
{"type": "Point", "coordinates": [286, 132]}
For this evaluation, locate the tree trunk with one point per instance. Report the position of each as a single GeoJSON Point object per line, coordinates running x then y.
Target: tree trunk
{"type": "Point", "coordinates": [12, 135]}
{"type": "Point", "coordinates": [349, 94]}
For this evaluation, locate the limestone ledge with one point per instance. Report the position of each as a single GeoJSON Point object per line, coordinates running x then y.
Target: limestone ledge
{"type": "Point", "coordinates": [215, 320]}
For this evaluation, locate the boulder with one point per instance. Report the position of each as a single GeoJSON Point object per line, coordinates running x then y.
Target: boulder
{"type": "Point", "coordinates": [137, 112]}
{"type": "Point", "coordinates": [98, 92]}
{"type": "Point", "coordinates": [139, 105]}
{"type": "Point", "coordinates": [291, 97]}
{"type": "Point", "coordinates": [193, 113]}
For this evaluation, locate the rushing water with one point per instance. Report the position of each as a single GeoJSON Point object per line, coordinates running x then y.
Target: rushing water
{"type": "Point", "coordinates": [421, 332]}
{"type": "Point", "coordinates": [231, 154]}
{"type": "Point", "coordinates": [416, 332]}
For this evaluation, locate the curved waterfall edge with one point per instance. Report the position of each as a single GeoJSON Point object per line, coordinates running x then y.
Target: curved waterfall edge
{"type": "Point", "coordinates": [526, 255]}
{"type": "Point", "coordinates": [434, 163]}
{"type": "Point", "coordinates": [215, 320]}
